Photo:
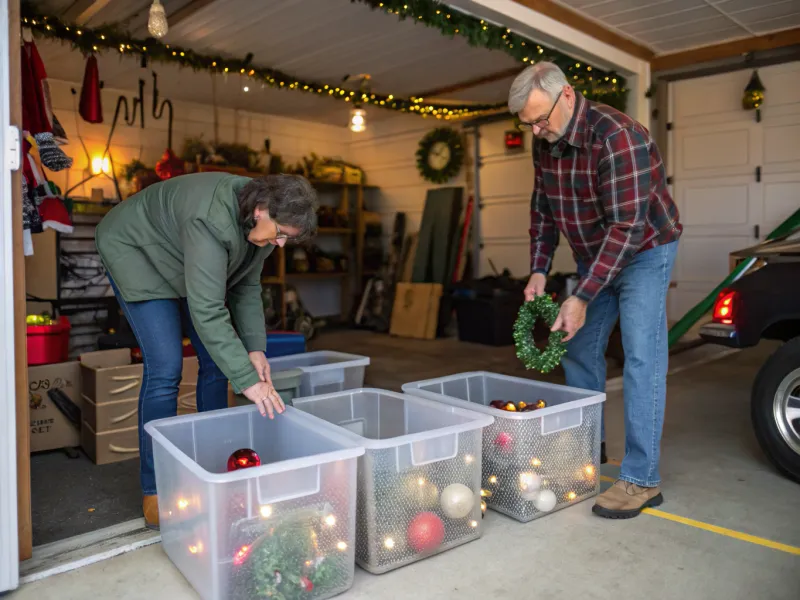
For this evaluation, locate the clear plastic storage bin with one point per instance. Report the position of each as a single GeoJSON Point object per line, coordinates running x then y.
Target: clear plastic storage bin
{"type": "Point", "coordinates": [533, 462]}
{"type": "Point", "coordinates": [285, 529]}
{"type": "Point", "coordinates": [324, 371]}
{"type": "Point", "coordinates": [419, 479]}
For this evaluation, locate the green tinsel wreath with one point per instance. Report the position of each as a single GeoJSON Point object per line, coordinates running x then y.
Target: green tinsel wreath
{"type": "Point", "coordinates": [541, 307]}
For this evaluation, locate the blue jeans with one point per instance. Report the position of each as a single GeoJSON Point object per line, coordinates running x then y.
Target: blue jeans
{"type": "Point", "coordinates": [638, 296]}
{"type": "Point", "coordinates": [159, 326]}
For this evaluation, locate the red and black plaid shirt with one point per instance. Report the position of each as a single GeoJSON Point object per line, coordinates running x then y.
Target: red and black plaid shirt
{"type": "Point", "coordinates": [603, 185]}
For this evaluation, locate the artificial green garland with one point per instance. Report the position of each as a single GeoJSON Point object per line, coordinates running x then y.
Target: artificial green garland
{"type": "Point", "coordinates": [594, 83]}
{"type": "Point", "coordinates": [541, 307]}
{"type": "Point", "coordinates": [90, 40]}
{"type": "Point", "coordinates": [453, 140]}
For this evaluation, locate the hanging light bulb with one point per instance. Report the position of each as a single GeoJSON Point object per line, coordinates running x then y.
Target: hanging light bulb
{"type": "Point", "coordinates": [358, 119]}
{"type": "Point", "coordinates": [157, 22]}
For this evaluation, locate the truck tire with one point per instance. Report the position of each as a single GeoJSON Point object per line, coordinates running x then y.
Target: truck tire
{"type": "Point", "coordinates": [778, 431]}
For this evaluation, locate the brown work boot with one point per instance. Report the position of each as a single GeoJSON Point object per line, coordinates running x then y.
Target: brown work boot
{"type": "Point", "coordinates": [625, 500]}
{"type": "Point", "coordinates": [150, 510]}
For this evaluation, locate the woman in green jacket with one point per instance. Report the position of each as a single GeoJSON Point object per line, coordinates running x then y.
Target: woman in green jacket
{"type": "Point", "coordinates": [184, 256]}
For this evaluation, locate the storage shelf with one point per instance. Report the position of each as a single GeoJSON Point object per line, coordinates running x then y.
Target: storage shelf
{"type": "Point", "coordinates": [334, 231]}
{"type": "Point", "coordinates": [351, 203]}
{"type": "Point", "coordinates": [331, 275]}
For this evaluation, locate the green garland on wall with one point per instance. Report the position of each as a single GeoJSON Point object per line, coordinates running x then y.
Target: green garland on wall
{"type": "Point", "coordinates": [593, 83]}
{"type": "Point", "coordinates": [90, 40]}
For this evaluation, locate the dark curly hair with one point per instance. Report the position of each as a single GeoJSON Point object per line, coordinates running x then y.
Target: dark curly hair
{"type": "Point", "coordinates": [289, 199]}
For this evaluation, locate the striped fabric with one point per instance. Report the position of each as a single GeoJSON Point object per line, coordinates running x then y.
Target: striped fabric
{"type": "Point", "coordinates": [603, 185]}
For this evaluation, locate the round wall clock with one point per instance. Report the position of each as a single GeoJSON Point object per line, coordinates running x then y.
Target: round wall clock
{"type": "Point", "coordinates": [440, 155]}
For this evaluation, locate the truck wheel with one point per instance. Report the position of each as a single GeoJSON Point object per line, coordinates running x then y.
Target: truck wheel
{"type": "Point", "coordinates": [775, 408]}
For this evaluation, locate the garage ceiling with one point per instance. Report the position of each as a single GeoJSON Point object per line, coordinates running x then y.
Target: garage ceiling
{"type": "Point", "coordinates": [320, 40]}
{"type": "Point", "coordinates": [326, 40]}
{"type": "Point", "coordinates": [675, 25]}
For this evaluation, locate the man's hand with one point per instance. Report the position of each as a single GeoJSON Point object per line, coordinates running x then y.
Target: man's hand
{"type": "Point", "coordinates": [571, 317]}
{"type": "Point", "coordinates": [535, 286]}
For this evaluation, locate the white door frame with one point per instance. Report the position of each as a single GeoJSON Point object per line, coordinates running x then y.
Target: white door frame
{"type": "Point", "coordinates": [9, 546]}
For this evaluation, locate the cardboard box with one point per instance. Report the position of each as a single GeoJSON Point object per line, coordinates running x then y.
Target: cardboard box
{"type": "Point", "coordinates": [110, 446]}
{"type": "Point", "coordinates": [110, 393]}
{"type": "Point", "coordinates": [416, 310]}
{"type": "Point", "coordinates": [109, 376]}
{"type": "Point", "coordinates": [50, 428]}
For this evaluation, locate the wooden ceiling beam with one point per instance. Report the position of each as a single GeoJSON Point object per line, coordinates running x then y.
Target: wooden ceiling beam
{"type": "Point", "coordinates": [465, 85]}
{"type": "Point", "coordinates": [585, 25]}
{"type": "Point", "coordinates": [696, 56]}
{"type": "Point", "coordinates": [80, 11]}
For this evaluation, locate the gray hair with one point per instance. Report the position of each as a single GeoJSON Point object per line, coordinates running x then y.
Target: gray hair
{"type": "Point", "coordinates": [289, 199]}
{"type": "Point", "coordinates": [544, 76]}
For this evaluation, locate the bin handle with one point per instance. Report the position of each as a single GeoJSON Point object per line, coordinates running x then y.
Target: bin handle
{"type": "Point", "coordinates": [307, 483]}
{"type": "Point", "coordinates": [413, 447]}
{"type": "Point", "coordinates": [561, 421]}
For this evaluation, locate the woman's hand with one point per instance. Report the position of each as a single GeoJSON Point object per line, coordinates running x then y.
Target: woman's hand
{"type": "Point", "coordinates": [264, 394]}
{"type": "Point", "coordinates": [261, 365]}
{"type": "Point", "coordinates": [266, 398]}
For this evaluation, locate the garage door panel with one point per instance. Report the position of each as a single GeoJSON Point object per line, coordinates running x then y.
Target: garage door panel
{"type": "Point", "coordinates": [717, 98]}
{"type": "Point", "coordinates": [705, 258]}
{"type": "Point", "coordinates": [781, 199]}
{"type": "Point", "coordinates": [680, 301]}
{"type": "Point", "coordinates": [509, 177]}
{"type": "Point", "coordinates": [714, 151]}
{"type": "Point", "coordinates": [782, 83]}
{"type": "Point", "coordinates": [714, 202]}
{"type": "Point", "coordinates": [781, 144]}
{"type": "Point", "coordinates": [506, 218]}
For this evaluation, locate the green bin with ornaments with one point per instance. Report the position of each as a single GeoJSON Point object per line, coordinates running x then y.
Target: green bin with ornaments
{"type": "Point", "coordinates": [542, 452]}
{"type": "Point", "coordinates": [419, 480]}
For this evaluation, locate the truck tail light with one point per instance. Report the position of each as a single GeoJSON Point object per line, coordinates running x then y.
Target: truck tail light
{"type": "Point", "coordinates": [725, 307]}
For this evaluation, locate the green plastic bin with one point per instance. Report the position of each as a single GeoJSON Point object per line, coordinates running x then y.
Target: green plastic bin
{"type": "Point", "coordinates": [287, 384]}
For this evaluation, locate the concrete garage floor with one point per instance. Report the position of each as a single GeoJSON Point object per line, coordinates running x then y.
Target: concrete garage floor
{"type": "Point", "coordinates": [714, 476]}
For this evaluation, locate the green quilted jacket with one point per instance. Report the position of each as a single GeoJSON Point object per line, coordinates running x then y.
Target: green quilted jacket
{"type": "Point", "coordinates": [180, 238]}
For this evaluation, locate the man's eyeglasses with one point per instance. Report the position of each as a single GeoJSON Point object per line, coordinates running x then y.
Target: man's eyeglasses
{"type": "Point", "coordinates": [544, 122]}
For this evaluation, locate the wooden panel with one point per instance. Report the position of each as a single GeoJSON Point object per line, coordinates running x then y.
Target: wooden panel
{"type": "Point", "coordinates": [24, 520]}
{"type": "Point", "coordinates": [698, 56]}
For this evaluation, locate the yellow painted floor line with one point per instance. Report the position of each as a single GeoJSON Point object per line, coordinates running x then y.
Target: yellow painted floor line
{"type": "Point", "coordinates": [731, 533]}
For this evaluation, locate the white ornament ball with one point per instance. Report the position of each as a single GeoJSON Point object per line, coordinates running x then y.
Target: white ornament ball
{"type": "Point", "coordinates": [546, 501]}
{"type": "Point", "coordinates": [529, 484]}
{"type": "Point", "coordinates": [457, 501]}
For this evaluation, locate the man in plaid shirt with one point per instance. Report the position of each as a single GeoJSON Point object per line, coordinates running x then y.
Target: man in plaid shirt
{"type": "Point", "coordinates": [600, 181]}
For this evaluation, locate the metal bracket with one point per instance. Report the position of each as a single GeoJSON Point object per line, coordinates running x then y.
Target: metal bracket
{"type": "Point", "coordinates": [13, 149]}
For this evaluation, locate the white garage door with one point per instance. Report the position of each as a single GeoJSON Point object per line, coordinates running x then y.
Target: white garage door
{"type": "Point", "coordinates": [734, 179]}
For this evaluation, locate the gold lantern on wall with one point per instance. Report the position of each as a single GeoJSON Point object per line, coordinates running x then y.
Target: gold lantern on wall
{"type": "Point", "coordinates": [753, 96]}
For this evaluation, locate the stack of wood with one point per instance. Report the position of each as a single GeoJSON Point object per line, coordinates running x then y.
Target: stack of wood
{"type": "Point", "coordinates": [423, 266]}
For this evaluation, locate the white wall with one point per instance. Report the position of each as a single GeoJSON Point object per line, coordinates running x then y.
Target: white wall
{"type": "Point", "coordinates": [387, 153]}
{"type": "Point", "coordinates": [291, 138]}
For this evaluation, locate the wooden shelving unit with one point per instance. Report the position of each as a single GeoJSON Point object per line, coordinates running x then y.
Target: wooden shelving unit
{"type": "Point", "coordinates": [351, 203]}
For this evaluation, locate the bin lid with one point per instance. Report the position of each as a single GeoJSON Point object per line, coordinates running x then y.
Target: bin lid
{"type": "Point", "coordinates": [286, 379]}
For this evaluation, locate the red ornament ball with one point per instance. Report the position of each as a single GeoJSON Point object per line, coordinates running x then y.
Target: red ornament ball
{"type": "Point", "coordinates": [243, 458]}
{"type": "Point", "coordinates": [305, 584]}
{"type": "Point", "coordinates": [425, 532]}
{"type": "Point", "coordinates": [504, 441]}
